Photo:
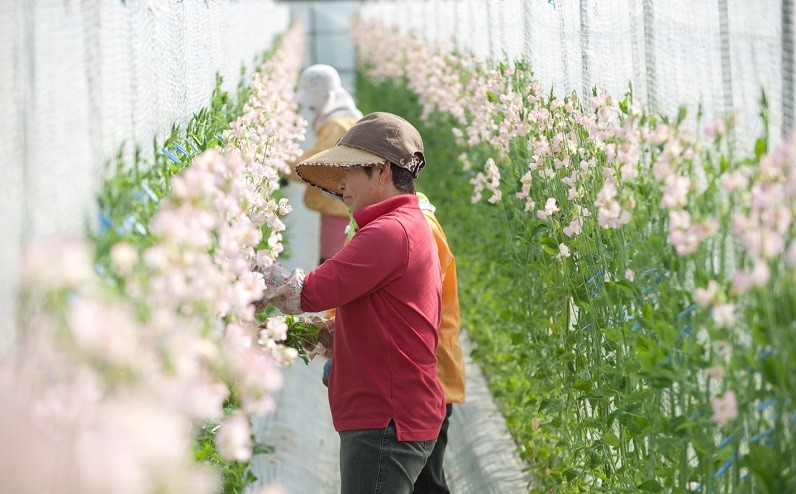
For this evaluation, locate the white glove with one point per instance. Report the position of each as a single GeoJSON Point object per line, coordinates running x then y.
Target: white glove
{"type": "Point", "coordinates": [283, 288]}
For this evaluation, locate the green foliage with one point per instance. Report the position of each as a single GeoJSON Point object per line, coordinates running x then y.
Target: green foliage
{"type": "Point", "coordinates": [235, 475]}
{"type": "Point", "coordinates": [130, 192]}
{"type": "Point", "coordinates": [603, 380]}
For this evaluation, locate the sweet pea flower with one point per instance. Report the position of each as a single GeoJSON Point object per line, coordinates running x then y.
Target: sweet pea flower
{"type": "Point", "coordinates": [563, 251]}
{"type": "Point", "coordinates": [233, 438]}
{"type": "Point", "coordinates": [704, 296]}
{"type": "Point", "coordinates": [723, 315]}
{"type": "Point", "coordinates": [725, 407]}
{"type": "Point", "coordinates": [574, 227]}
{"type": "Point", "coordinates": [123, 257]}
{"type": "Point", "coordinates": [716, 373]}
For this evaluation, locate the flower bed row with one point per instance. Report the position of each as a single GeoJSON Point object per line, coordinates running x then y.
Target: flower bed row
{"type": "Point", "coordinates": [627, 276]}
{"type": "Point", "coordinates": [142, 356]}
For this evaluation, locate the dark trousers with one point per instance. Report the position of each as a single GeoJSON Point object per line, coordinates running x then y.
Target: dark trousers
{"type": "Point", "coordinates": [374, 461]}
{"type": "Point", "coordinates": [432, 478]}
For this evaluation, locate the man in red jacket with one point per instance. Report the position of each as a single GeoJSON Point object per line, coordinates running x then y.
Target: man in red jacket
{"type": "Point", "coordinates": [386, 400]}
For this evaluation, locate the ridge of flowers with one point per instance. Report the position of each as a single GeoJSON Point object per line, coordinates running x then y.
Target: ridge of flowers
{"type": "Point", "coordinates": [591, 168]}
{"type": "Point", "coordinates": [110, 384]}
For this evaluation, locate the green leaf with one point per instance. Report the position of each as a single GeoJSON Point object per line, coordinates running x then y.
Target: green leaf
{"type": "Point", "coordinates": [760, 147]}
{"type": "Point", "coordinates": [650, 486]}
{"type": "Point", "coordinates": [725, 165]}
{"type": "Point", "coordinates": [582, 385]}
{"type": "Point", "coordinates": [611, 439]}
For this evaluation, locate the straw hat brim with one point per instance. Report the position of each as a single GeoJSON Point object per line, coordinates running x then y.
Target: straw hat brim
{"type": "Point", "coordinates": [326, 169]}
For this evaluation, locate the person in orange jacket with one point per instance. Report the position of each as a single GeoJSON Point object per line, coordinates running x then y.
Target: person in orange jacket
{"type": "Point", "coordinates": [450, 360]}
{"type": "Point", "coordinates": [334, 112]}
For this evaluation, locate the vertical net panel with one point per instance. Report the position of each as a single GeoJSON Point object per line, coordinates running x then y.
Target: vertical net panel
{"type": "Point", "coordinates": [449, 18]}
{"type": "Point", "coordinates": [417, 21]}
{"type": "Point", "coordinates": [215, 29]}
{"type": "Point", "coordinates": [614, 50]}
{"type": "Point", "coordinates": [545, 53]}
{"type": "Point", "coordinates": [493, 28]}
{"type": "Point", "coordinates": [687, 37]}
{"type": "Point", "coordinates": [755, 47]}
{"type": "Point", "coordinates": [168, 19]}
{"type": "Point", "coordinates": [116, 68]}
{"type": "Point", "coordinates": [199, 75]}
{"type": "Point", "coordinates": [432, 17]}
{"type": "Point", "coordinates": [62, 167]}
{"type": "Point", "coordinates": [12, 47]}
{"type": "Point", "coordinates": [569, 19]}
{"type": "Point", "coordinates": [512, 29]}
{"type": "Point", "coordinates": [788, 66]}
{"type": "Point", "coordinates": [464, 26]}
{"type": "Point", "coordinates": [480, 42]}
{"type": "Point", "coordinates": [143, 79]}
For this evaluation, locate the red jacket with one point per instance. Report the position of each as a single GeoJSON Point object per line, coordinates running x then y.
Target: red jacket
{"type": "Point", "coordinates": [386, 286]}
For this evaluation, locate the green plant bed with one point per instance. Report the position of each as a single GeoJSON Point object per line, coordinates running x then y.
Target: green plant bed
{"type": "Point", "coordinates": [494, 313]}
{"type": "Point", "coordinates": [605, 368]}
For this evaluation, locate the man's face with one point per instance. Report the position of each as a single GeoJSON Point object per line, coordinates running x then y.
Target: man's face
{"type": "Point", "coordinates": [359, 189]}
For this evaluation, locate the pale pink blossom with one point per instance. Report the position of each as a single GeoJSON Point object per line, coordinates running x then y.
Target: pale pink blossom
{"type": "Point", "coordinates": [790, 256]}
{"type": "Point", "coordinates": [704, 297]}
{"type": "Point", "coordinates": [725, 407]}
{"type": "Point", "coordinates": [574, 227]}
{"type": "Point", "coordinates": [742, 282]}
{"type": "Point", "coordinates": [465, 162]}
{"type": "Point", "coordinates": [761, 273]}
{"type": "Point", "coordinates": [525, 192]}
{"type": "Point", "coordinates": [734, 181]}
{"type": "Point", "coordinates": [550, 208]}
{"type": "Point", "coordinates": [563, 251]}
{"type": "Point", "coordinates": [675, 192]}
{"type": "Point", "coordinates": [233, 438]}
{"type": "Point", "coordinates": [275, 328]}
{"type": "Point", "coordinates": [715, 128]}
{"type": "Point", "coordinates": [716, 372]}
{"type": "Point", "coordinates": [57, 263]}
{"type": "Point", "coordinates": [630, 275]}
{"type": "Point", "coordinates": [723, 315]}
{"type": "Point", "coordinates": [123, 257]}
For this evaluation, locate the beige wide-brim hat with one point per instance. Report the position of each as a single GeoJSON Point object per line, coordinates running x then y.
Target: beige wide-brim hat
{"type": "Point", "coordinates": [374, 139]}
{"type": "Point", "coordinates": [326, 169]}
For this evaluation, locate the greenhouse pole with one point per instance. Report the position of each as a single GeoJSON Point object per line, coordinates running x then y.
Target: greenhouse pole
{"type": "Point", "coordinates": [726, 58]}
{"type": "Point", "coordinates": [563, 42]}
{"type": "Point", "coordinates": [584, 48]}
{"type": "Point", "coordinates": [526, 21]}
{"type": "Point", "coordinates": [649, 53]}
{"type": "Point", "coordinates": [27, 76]}
{"type": "Point", "coordinates": [788, 67]}
{"type": "Point", "coordinates": [489, 27]}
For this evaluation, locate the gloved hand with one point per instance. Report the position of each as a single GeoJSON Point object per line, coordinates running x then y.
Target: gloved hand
{"type": "Point", "coordinates": [282, 289]}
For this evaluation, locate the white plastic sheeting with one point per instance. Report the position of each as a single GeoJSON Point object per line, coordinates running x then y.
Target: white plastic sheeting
{"type": "Point", "coordinates": [718, 55]}
{"type": "Point", "coordinates": [81, 78]}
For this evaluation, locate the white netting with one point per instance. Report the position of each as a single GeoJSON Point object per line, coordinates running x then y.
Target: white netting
{"type": "Point", "coordinates": [82, 78]}
{"type": "Point", "coordinates": [719, 56]}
